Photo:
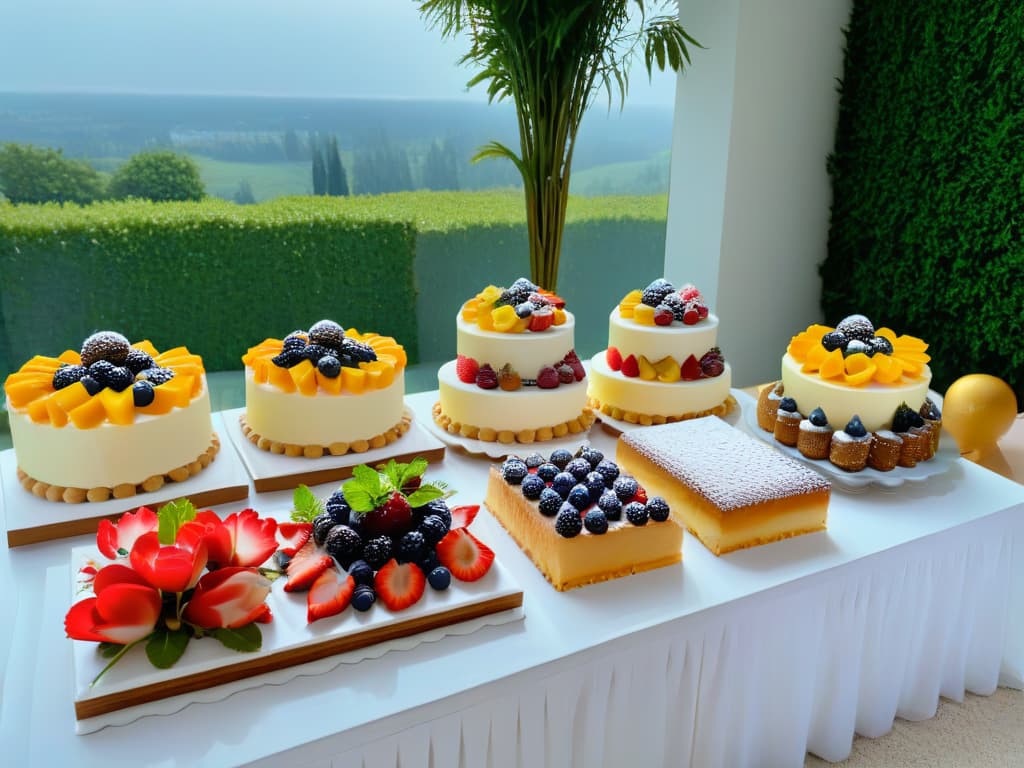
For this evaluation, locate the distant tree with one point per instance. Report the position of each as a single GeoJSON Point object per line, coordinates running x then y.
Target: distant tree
{"type": "Point", "coordinates": [292, 149]}
{"type": "Point", "coordinates": [439, 171]}
{"type": "Point", "coordinates": [319, 170]}
{"type": "Point", "coordinates": [337, 182]}
{"type": "Point", "coordinates": [160, 176]}
{"type": "Point", "coordinates": [31, 174]}
{"type": "Point", "coordinates": [244, 195]}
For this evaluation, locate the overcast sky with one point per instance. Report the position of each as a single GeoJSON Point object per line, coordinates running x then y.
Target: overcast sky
{"type": "Point", "coordinates": [357, 48]}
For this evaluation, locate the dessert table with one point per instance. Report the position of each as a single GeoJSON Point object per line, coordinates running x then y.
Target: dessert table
{"type": "Point", "coordinates": [750, 659]}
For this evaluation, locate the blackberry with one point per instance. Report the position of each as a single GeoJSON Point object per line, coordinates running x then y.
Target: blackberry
{"type": "Point", "coordinates": [313, 353]}
{"type": "Point", "coordinates": [411, 547]}
{"type": "Point", "coordinates": [344, 545]}
{"type": "Point", "coordinates": [534, 460]}
{"type": "Point", "coordinates": [92, 386]}
{"type": "Point", "coordinates": [428, 561]}
{"type": "Point", "coordinates": [327, 333]}
{"type": "Point", "coordinates": [625, 487]}
{"type": "Point", "coordinates": [289, 358]}
{"type": "Point", "coordinates": [514, 470]}
{"type": "Point", "coordinates": [609, 470]}
{"type": "Point", "coordinates": [532, 487]}
{"type": "Point", "coordinates": [592, 455]}
{"type": "Point", "coordinates": [563, 483]}
{"type": "Point", "coordinates": [293, 342]}
{"type": "Point", "coordinates": [100, 370]}
{"type": "Point", "coordinates": [594, 481]}
{"type": "Point", "coordinates": [881, 345]}
{"type": "Point", "coordinates": [433, 529]}
{"type": "Point", "coordinates": [834, 340]}
{"type": "Point", "coordinates": [855, 428]}
{"type": "Point", "coordinates": [611, 505]}
{"type": "Point", "coordinates": [905, 418]}
{"type": "Point", "coordinates": [658, 509]}
{"type": "Point", "coordinates": [818, 418]}
{"type": "Point", "coordinates": [636, 513]}
{"type": "Point", "coordinates": [363, 597]}
{"type": "Point", "coordinates": [377, 551]}
{"type": "Point", "coordinates": [596, 522]}
{"type": "Point", "coordinates": [655, 292]}
{"type": "Point", "coordinates": [142, 394]}
{"type": "Point", "coordinates": [338, 508]}
{"type": "Point", "coordinates": [857, 327]}
{"type": "Point", "coordinates": [67, 375]}
{"type": "Point", "coordinates": [322, 525]}
{"type": "Point", "coordinates": [675, 302]}
{"type": "Point", "coordinates": [119, 378]}
{"type": "Point", "coordinates": [105, 345]}
{"type": "Point", "coordinates": [550, 502]}
{"type": "Point", "coordinates": [579, 497]}
{"type": "Point", "coordinates": [437, 507]}
{"type": "Point", "coordinates": [519, 292]}
{"type": "Point", "coordinates": [547, 472]}
{"type": "Point", "coordinates": [138, 361]}
{"type": "Point", "coordinates": [568, 522]}
{"type": "Point", "coordinates": [329, 366]}
{"type": "Point", "coordinates": [578, 468]}
{"type": "Point", "coordinates": [156, 376]}
{"type": "Point", "coordinates": [439, 578]}
{"type": "Point", "coordinates": [856, 346]}
{"type": "Point", "coordinates": [358, 351]}
{"type": "Point", "coordinates": [361, 572]}
{"type": "Point", "coordinates": [560, 457]}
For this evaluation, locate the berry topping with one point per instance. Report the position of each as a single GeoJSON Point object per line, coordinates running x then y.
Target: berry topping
{"type": "Point", "coordinates": [137, 361]}
{"type": "Point", "coordinates": [486, 378]}
{"type": "Point", "coordinates": [691, 313]}
{"type": "Point", "coordinates": [399, 585]}
{"type": "Point", "coordinates": [609, 470]}
{"type": "Point", "coordinates": [295, 341]}
{"type": "Point", "coordinates": [363, 598]}
{"type": "Point", "coordinates": [625, 487]}
{"type": "Point", "coordinates": [142, 393]}
{"type": "Point", "coordinates": [377, 551]}
{"type": "Point", "coordinates": [613, 357]}
{"type": "Point", "coordinates": [787, 404]}
{"type": "Point", "coordinates": [547, 378]}
{"type": "Point", "coordinates": [67, 375]}
{"type": "Point", "coordinates": [592, 455]}
{"type": "Point", "coordinates": [547, 471]}
{"type": "Point", "coordinates": [712, 363]}
{"type": "Point", "coordinates": [514, 470]}
{"type": "Point", "coordinates": [563, 483]}
{"type": "Point", "coordinates": [155, 376]}
{"type": "Point", "coordinates": [636, 513]}
{"type": "Point", "coordinates": [100, 370]}
{"type": "Point", "coordinates": [361, 572]}
{"type": "Point", "coordinates": [439, 578]}
{"type": "Point", "coordinates": [550, 502]}
{"type": "Point", "coordinates": [905, 418]}
{"type": "Point", "coordinates": [578, 468]}
{"type": "Point", "coordinates": [293, 536]}
{"type": "Point", "coordinates": [428, 560]}
{"type": "Point", "coordinates": [329, 595]}
{"type": "Point", "coordinates": [305, 567]}
{"type": "Point", "coordinates": [631, 367]}
{"type": "Point", "coordinates": [542, 319]}
{"type": "Point", "coordinates": [610, 504]}
{"type": "Point", "coordinates": [655, 292]}
{"type": "Point", "coordinates": [579, 497]}
{"type": "Point", "coordinates": [532, 487]}
{"type": "Point", "coordinates": [596, 522]}
{"type": "Point", "coordinates": [329, 366]}
{"type": "Point", "coordinates": [315, 352]}
{"type": "Point", "coordinates": [881, 345]}
{"type": "Point", "coordinates": [327, 333]}
{"type": "Point", "coordinates": [519, 291]}
{"type": "Point", "coordinates": [565, 374]}
{"type": "Point", "coordinates": [689, 291]}
{"type": "Point", "coordinates": [690, 369]}
{"type": "Point", "coordinates": [433, 529]}
{"type": "Point", "coordinates": [357, 352]}
{"type": "Point", "coordinates": [524, 310]}
{"type": "Point", "coordinates": [857, 347]}
{"type": "Point", "coordinates": [344, 545]}
{"type": "Point", "coordinates": [392, 518]}
{"type": "Point", "coordinates": [92, 386]}
{"type": "Point", "coordinates": [854, 428]}
{"type": "Point", "coordinates": [105, 345]}
{"type": "Point", "coordinates": [560, 457]}
{"type": "Point", "coordinates": [675, 303]}
{"type": "Point", "coordinates": [663, 314]}
{"type": "Point", "coordinates": [466, 368]}
{"type": "Point", "coordinates": [568, 522]}
{"type": "Point", "coordinates": [857, 327]}
{"type": "Point", "coordinates": [289, 358]}
{"type": "Point", "coordinates": [534, 460]}
{"type": "Point", "coordinates": [929, 410]}
{"type": "Point", "coordinates": [595, 485]}
{"type": "Point", "coordinates": [658, 510]}
{"type": "Point", "coordinates": [464, 555]}
{"type": "Point", "coordinates": [508, 379]}
{"type": "Point", "coordinates": [437, 507]}
{"type": "Point", "coordinates": [322, 525]}
{"type": "Point", "coordinates": [119, 378]}
{"type": "Point", "coordinates": [337, 508]}
{"type": "Point", "coordinates": [818, 418]}
{"type": "Point", "coordinates": [411, 547]}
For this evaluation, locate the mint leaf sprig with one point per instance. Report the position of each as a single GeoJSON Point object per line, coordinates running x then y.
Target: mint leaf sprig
{"type": "Point", "coordinates": [306, 505]}
{"type": "Point", "coordinates": [370, 489]}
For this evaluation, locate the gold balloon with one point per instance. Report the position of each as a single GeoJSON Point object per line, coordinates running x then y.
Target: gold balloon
{"type": "Point", "coordinates": [978, 409]}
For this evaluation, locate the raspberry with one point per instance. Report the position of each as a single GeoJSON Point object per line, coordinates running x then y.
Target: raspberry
{"type": "Point", "coordinates": [689, 291]}
{"type": "Point", "coordinates": [486, 378]}
{"type": "Point", "coordinates": [691, 313]}
{"type": "Point", "coordinates": [663, 315]}
{"type": "Point", "coordinates": [538, 300]}
{"type": "Point", "coordinates": [565, 374]}
{"type": "Point", "coordinates": [547, 378]}
{"type": "Point", "coordinates": [466, 368]}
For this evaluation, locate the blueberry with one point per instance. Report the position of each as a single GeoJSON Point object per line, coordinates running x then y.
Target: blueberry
{"type": "Point", "coordinates": [818, 418]}
{"type": "Point", "coordinates": [578, 468]}
{"type": "Point", "coordinates": [142, 393]}
{"type": "Point", "coordinates": [563, 483]}
{"type": "Point", "coordinates": [625, 487]}
{"type": "Point", "coordinates": [834, 340]}
{"type": "Point", "coordinates": [856, 346]}
{"type": "Point", "coordinates": [329, 366]}
{"type": "Point", "coordinates": [560, 457]}
{"type": "Point", "coordinates": [657, 509]}
{"type": "Point", "coordinates": [440, 578]}
{"type": "Point", "coordinates": [592, 455]}
{"type": "Point", "coordinates": [524, 309]}
{"type": "Point", "coordinates": [514, 470]}
{"type": "Point", "coordinates": [855, 428]}
{"type": "Point", "coordinates": [428, 561]}
{"type": "Point", "coordinates": [579, 497]}
{"type": "Point", "coordinates": [595, 484]}
{"type": "Point", "coordinates": [361, 572]}
{"type": "Point", "coordinates": [787, 404]}
{"type": "Point", "coordinates": [636, 513]}
{"type": "Point", "coordinates": [547, 472]}
{"type": "Point", "coordinates": [532, 487]}
{"type": "Point", "coordinates": [609, 470]}
{"type": "Point", "coordinates": [610, 504]}
{"type": "Point", "coordinates": [363, 597]}
{"type": "Point", "coordinates": [534, 460]}
{"type": "Point", "coordinates": [596, 522]}
{"type": "Point", "coordinates": [568, 522]}
{"type": "Point", "coordinates": [881, 345]}
{"type": "Point", "coordinates": [550, 502]}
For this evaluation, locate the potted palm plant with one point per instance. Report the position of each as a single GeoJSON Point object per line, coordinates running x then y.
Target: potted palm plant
{"type": "Point", "coordinates": [552, 58]}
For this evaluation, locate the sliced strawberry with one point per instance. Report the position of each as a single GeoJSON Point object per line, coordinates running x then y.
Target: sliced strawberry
{"type": "Point", "coordinates": [462, 517]}
{"type": "Point", "coordinates": [466, 368]}
{"type": "Point", "coordinates": [292, 536]}
{"type": "Point", "coordinates": [542, 319]}
{"type": "Point", "coordinates": [329, 595]}
{"type": "Point", "coordinates": [399, 585]}
{"type": "Point", "coordinates": [553, 300]}
{"type": "Point", "coordinates": [690, 369]}
{"type": "Point", "coordinates": [640, 495]}
{"type": "Point", "coordinates": [614, 358]}
{"type": "Point", "coordinates": [307, 565]}
{"type": "Point", "coordinates": [266, 616]}
{"type": "Point", "coordinates": [464, 555]}
{"type": "Point", "coordinates": [630, 367]}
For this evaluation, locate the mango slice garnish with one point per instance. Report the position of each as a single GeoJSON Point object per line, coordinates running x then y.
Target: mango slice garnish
{"type": "Point", "coordinates": [859, 369]}
{"type": "Point", "coordinates": [833, 365]}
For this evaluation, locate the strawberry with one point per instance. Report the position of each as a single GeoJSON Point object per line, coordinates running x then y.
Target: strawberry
{"type": "Point", "coordinates": [542, 319]}
{"type": "Point", "coordinates": [553, 300]}
{"type": "Point", "coordinates": [690, 369]}
{"type": "Point", "coordinates": [393, 518]}
{"type": "Point", "coordinates": [630, 367]}
{"type": "Point", "coordinates": [547, 378]}
{"type": "Point", "coordinates": [329, 595]}
{"type": "Point", "coordinates": [689, 291]}
{"type": "Point", "coordinates": [663, 315]}
{"type": "Point", "coordinates": [466, 368]}
{"type": "Point", "coordinates": [613, 357]}
{"type": "Point", "coordinates": [702, 310]}
{"type": "Point", "coordinates": [486, 378]}
{"type": "Point", "coordinates": [691, 315]}
{"type": "Point", "coordinates": [399, 586]}
{"type": "Point", "coordinates": [292, 536]}
{"type": "Point", "coordinates": [640, 496]}
{"type": "Point", "coordinates": [462, 517]}
{"type": "Point", "coordinates": [306, 567]}
{"type": "Point", "coordinates": [464, 555]}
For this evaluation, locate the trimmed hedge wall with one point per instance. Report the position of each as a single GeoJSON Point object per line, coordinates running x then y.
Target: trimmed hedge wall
{"type": "Point", "coordinates": [927, 230]}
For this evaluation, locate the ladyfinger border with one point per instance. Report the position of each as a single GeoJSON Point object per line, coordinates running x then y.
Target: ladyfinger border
{"type": "Point", "coordinates": [575, 426]}
{"type": "Point", "coordinates": [294, 450]}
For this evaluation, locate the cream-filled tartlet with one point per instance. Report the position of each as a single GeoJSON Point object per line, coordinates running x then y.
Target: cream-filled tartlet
{"type": "Point", "coordinates": [325, 391]}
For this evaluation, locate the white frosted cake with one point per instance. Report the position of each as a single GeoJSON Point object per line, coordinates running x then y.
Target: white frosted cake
{"type": "Point", "coordinates": [662, 363]}
{"type": "Point", "coordinates": [516, 377]}
{"type": "Point", "coordinates": [327, 390]}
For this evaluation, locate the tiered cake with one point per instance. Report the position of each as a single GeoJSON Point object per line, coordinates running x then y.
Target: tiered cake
{"type": "Point", "coordinates": [325, 391]}
{"type": "Point", "coordinates": [516, 377]}
{"type": "Point", "coordinates": [662, 363]}
{"type": "Point", "coordinates": [115, 419]}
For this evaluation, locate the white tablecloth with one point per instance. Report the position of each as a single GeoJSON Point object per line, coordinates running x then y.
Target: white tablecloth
{"type": "Point", "coordinates": [746, 660]}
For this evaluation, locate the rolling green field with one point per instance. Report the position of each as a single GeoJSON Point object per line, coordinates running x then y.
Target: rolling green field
{"type": "Point", "coordinates": [268, 180]}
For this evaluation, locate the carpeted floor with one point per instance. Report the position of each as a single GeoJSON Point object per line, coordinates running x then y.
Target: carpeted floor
{"type": "Point", "coordinates": [982, 732]}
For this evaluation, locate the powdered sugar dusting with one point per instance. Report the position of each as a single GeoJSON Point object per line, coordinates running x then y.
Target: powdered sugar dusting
{"type": "Point", "coordinates": [726, 466]}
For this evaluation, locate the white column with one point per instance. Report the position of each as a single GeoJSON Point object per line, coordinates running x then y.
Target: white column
{"type": "Point", "coordinates": [749, 197]}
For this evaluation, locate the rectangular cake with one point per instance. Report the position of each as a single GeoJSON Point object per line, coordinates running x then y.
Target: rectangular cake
{"type": "Point", "coordinates": [730, 490]}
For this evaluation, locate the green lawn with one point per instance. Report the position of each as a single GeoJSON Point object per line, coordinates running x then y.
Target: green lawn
{"type": "Point", "coordinates": [642, 177]}
{"type": "Point", "coordinates": [268, 180]}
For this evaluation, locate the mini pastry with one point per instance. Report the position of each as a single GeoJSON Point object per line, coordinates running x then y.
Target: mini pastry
{"type": "Point", "coordinates": [787, 422]}
{"type": "Point", "coordinates": [768, 405]}
{"type": "Point", "coordinates": [885, 450]}
{"type": "Point", "coordinates": [916, 444]}
{"type": "Point", "coordinates": [933, 418]}
{"type": "Point", "coordinates": [850, 447]}
{"type": "Point", "coordinates": [815, 437]}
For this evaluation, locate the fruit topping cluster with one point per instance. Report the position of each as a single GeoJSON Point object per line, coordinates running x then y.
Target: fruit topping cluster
{"type": "Point", "coordinates": [521, 307]}
{"type": "Point", "coordinates": [661, 304]}
{"type": "Point", "coordinates": [566, 371]}
{"type": "Point", "coordinates": [325, 346]}
{"type": "Point", "coordinates": [667, 369]}
{"type": "Point", "coordinates": [855, 353]}
{"type": "Point", "coordinates": [581, 492]}
{"type": "Point", "coordinates": [384, 535]}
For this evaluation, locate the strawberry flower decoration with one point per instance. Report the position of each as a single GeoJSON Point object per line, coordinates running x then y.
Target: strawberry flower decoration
{"type": "Point", "coordinates": [173, 568]}
{"type": "Point", "coordinates": [228, 598]}
{"type": "Point", "coordinates": [241, 539]}
{"type": "Point", "coordinates": [124, 610]}
{"type": "Point", "coordinates": [117, 540]}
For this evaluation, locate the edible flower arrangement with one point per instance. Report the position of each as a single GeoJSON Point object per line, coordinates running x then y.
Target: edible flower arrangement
{"type": "Point", "coordinates": [521, 307]}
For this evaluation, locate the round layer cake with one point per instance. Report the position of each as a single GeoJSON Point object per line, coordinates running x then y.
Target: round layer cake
{"type": "Point", "coordinates": [662, 363]}
{"type": "Point", "coordinates": [327, 390]}
{"type": "Point", "coordinates": [112, 420]}
{"type": "Point", "coordinates": [854, 370]}
{"type": "Point", "coordinates": [516, 376]}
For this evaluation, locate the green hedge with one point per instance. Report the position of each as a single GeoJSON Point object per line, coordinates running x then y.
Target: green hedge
{"type": "Point", "coordinates": [927, 230]}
